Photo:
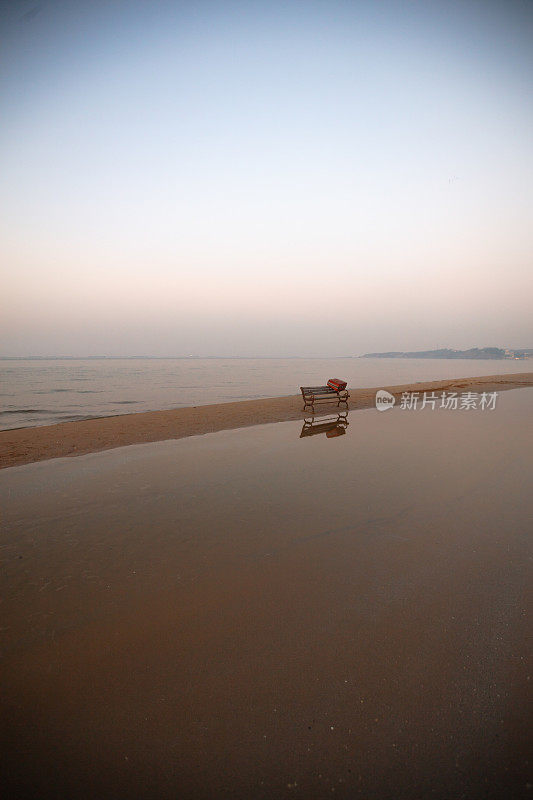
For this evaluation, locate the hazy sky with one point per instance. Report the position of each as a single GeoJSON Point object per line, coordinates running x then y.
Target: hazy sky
{"type": "Point", "coordinates": [265, 178]}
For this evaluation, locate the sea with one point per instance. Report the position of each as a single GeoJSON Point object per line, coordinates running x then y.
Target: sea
{"type": "Point", "coordinates": [44, 392]}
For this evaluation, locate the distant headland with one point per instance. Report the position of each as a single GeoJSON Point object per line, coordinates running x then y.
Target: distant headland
{"type": "Point", "coordinates": [446, 352]}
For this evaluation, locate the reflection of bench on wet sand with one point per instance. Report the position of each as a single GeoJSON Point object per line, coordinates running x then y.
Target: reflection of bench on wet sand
{"type": "Point", "coordinates": [323, 394]}
{"type": "Point", "coordinates": [331, 426]}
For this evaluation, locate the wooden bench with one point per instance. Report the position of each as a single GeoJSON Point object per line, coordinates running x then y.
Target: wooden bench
{"type": "Point", "coordinates": [322, 394]}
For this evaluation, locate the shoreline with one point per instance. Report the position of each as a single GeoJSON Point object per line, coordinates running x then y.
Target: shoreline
{"type": "Point", "coordinates": [68, 439]}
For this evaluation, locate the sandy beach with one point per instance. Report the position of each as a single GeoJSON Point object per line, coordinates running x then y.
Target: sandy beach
{"type": "Point", "coordinates": [27, 445]}
{"type": "Point", "coordinates": [257, 615]}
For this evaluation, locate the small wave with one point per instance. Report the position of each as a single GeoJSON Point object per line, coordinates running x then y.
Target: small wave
{"type": "Point", "coordinates": [123, 402]}
{"type": "Point", "coordinates": [28, 411]}
{"type": "Point", "coordinates": [71, 417]}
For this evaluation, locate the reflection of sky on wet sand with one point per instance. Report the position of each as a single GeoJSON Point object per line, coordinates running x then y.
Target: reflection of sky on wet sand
{"type": "Point", "coordinates": [230, 614]}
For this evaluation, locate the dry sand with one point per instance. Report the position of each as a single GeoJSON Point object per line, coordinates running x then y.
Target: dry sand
{"type": "Point", "coordinates": [26, 445]}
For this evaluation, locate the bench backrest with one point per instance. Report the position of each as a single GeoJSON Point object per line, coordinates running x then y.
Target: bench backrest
{"type": "Point", "coordinates": [317, 390]}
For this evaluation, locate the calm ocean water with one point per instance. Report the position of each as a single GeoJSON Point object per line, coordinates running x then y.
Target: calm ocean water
{"type": "Point", "coordinates": [43, 392]}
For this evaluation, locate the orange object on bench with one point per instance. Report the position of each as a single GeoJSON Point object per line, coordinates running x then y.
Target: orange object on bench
{"type": "Point", "coordinates": [337, 384]}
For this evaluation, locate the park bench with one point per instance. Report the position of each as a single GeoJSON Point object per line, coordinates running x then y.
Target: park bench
{"type": "Point", "coordinates": [323, 394]}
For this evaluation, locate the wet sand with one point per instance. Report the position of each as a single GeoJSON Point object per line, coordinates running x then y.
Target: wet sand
{"type": "Point", "coordinates": [27, 445]}
{"type": "Point", "coordinates": [257, 615]}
